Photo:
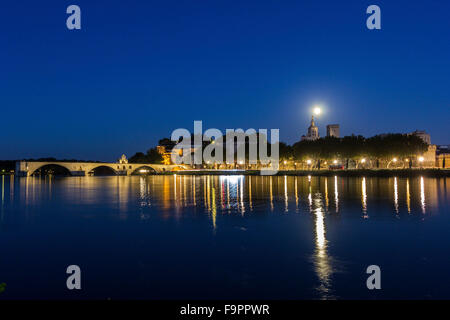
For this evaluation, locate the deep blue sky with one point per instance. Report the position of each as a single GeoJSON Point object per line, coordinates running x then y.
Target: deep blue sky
{"type": "Point", "coordinates": [140, 69]}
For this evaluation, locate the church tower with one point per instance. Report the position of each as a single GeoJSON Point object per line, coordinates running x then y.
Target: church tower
{"type": "Point", "coordinates": [313, 131]}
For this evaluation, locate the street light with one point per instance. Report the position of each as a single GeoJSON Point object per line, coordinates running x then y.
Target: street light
{"type": "Point", "coordinates": [395, 159]}
{"type": "Point", "coordinates": [421, 159]}
{"type": "Point", "coordinates": [308, 161]}
{"type": "Point", "coordinates": [363, 160]}
{"type": "Point", "coordinates": [335, 161]}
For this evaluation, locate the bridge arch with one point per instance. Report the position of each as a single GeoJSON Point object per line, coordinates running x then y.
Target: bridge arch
{"type": "Point", "coordinates": [143, 170]}
{"type": "Point", "coordinates": [103, 170]}
{"type": "Point", "coordinates": [51, 168]}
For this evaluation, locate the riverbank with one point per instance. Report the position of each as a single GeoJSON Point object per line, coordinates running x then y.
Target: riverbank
{"type": "Point", "coordinates": [326, 173]}
{"type": "Point", "coordinates": [322, 173]}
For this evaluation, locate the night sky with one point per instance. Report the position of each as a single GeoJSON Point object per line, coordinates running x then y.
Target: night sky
{"type": "Point", "coordinates": [137, 70]}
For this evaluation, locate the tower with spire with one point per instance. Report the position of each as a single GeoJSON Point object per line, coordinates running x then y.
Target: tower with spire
{"type": "Point", "coordinates": [313, 131]}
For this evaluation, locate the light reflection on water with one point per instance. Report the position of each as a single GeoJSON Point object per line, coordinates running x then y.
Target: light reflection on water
{"type": "Point", "coordinates": [224, 193]}
{"type": "Point", "coordinates": [364, 197]}
{"type": "Point", "coordinates": [245, 196]}
{"type": "Point", "coordinates": [322, 261]}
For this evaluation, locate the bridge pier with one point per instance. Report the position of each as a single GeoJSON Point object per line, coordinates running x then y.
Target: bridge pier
{"type": "Point", "coordinates": [78, 173]}
{"type": "Point", "coordinates": [21, 174]}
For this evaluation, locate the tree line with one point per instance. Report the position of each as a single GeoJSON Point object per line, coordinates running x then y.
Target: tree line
{"type": "Point", "coordinates": [379, 148]}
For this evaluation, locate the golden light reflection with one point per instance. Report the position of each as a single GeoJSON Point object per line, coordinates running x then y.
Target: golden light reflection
{"type": "Point", "coordinates": [214, 210]}
{"type": "Point", "coordinates": [25, 190]}
{"type": "Point", "coordinates": [322, 261]}
{"type": "Point", "coordinates": [208, 192]}
{"type": "Point", "coordinates": [310, 197]}
{"type": "Point", "coordinates": [175, 187]}
{"type": "Point", "coordinates": [123, 188]}
{"type": "Point", "coordinates": [285, 192]}
{"type": "Point", "coordinates": [222, 192]}
{"type": "Point", "coordinates": [364, 197]}
{"type": "Point", "coordinates": [205, 201]}
{"type": "Point", "coordinates": [166, 192]}
{"type": "Point", "coordinates": [184, 191]}
{"type": "Point", "coordinates": [286, 199]}
{"type": "Point", "coordinates": [422, 194]}
{"type": "Point", "coordinates": [194, 191]}
{"type": "Point", "coordinates": [180, 191]}
{"type": "Point", "coordinates": [408, 196]}
{"type": "Point", "coordinates": [11, 188]}
{"type": "Point", "coordinates": [250, 192]}
{"type": "Point", "coordinates": [336, 194]}
{"type": "Point", "coordinates": [144, 192]}
{"type": "Point", "coordinates": [271, 194]}
{"type": "Point", "coordinates": [396, 194]}
{"type": "Point", "coordinates": [242, 195]}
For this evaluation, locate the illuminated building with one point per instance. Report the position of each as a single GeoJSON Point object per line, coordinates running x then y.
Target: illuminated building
{"type": "Point", "coordinates": [443, 157]}
{"type": "Point", "coordinates": [333, 130]}
{"type": "Point", "coordinates": [429, 157]}
{"type": "Point", "coordinates": [313, 131]}
{"type": "Point", "coordinates": [123, 159]}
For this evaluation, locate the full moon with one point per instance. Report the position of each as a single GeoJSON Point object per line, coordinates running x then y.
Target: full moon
{"type": "Point", "coordinates": [317, 111]}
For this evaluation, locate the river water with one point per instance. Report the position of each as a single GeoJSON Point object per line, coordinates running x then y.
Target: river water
{"type": "Point", "coordinates": [224, 237]}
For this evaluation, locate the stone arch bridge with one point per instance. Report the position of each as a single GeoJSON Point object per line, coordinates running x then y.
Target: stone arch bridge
{"type": "Point", "coordinates": [28, 168]}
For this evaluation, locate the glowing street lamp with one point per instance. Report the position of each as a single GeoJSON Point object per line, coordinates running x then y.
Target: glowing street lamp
{"type": "Point", "coordinates": [421, 159]}
{"type": "Point", "coordinates": [308, 161]}
{"type": "Point", "coordinates": [335, 161]}
{"type": "Point", "coordinates": [395, 159]}
{"type": "Point", "coordinates": [363, 160]}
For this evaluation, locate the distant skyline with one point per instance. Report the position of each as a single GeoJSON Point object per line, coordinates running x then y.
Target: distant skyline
{"type": "Point", "coordinates": [138, 70]}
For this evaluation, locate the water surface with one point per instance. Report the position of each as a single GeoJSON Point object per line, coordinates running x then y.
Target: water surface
{"type": "Point", "coordinates": [231, 237]}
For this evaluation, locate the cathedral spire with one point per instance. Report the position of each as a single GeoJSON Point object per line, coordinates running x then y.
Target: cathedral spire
{"type": "Point", "coordinates": [312, 121]}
